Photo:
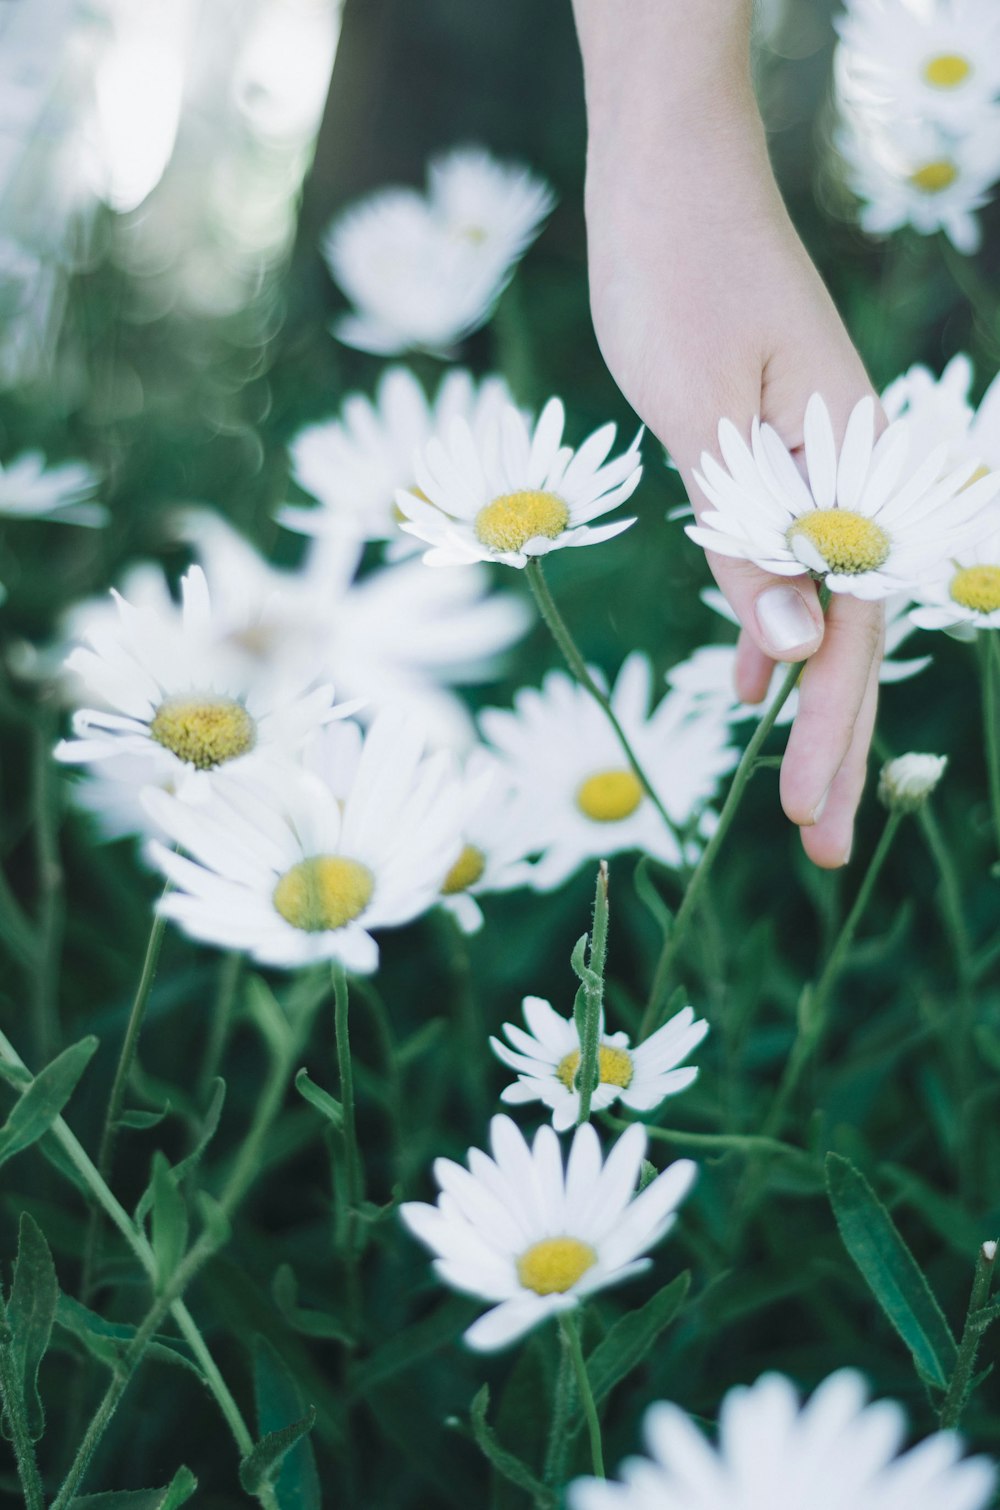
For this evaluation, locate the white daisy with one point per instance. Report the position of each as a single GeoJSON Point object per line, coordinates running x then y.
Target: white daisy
{"type": "Point", "coordinates": [515, 492]}
{"type": "Point", "coordinates": [424, 271]}
{"type": "Point", "coordinates": [302, 867]}
{"type": "Point", "coordinates": [176, 698]}
{"type": "Point", "coordinates": [580, 798]}
{"type": "Point", "coordinates": [868, 522]}
{"type": "Point", "coordinates": [964, 590]}
{"type": "Point", "coordinates": [912, 174]}
{"type": "Point", "coordinates": [354, 465]}
{"type": "Point", "coordinates": [939, 61]}
{"type": "Point", "coordinates": [30, 490]}
{"type": "Point", "coordinates": [906, 782]}
{"type": "Point", "coordinates": [836, 1452]}
{"type": "Point", "coordinates": [535, 1238]}
{"type": "Point", "coordinates": [940, 412]}
{"type": "Point", "coordinates": [548, 1057]}
{"type": "Point", "coordinates": [495, 842]}
{"type": "Point", "coordinates": [708, 676]}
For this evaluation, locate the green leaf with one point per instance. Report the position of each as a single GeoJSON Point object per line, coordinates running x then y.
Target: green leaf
{"type": "Point", "coordinates": [649, 896]}
{"type": "Point", "coordinates": [107, 1340]}
{"type": "Point", "coordinates": [141, 1121]}
{"type": "Point", "coordinates": [890, 1271]}
{"type": "Point", "coordinates": [31, 1311]}
{"type": "Point", "coordinates": [328, 1106]}
{"type": "Point", "coordinates": [505, 1462]}
{"type": "Point", "coordinates": [420, 1042]}
{"type": "Point", "coordinates": [169, 1223]}
{"type": "Point", "coordinates": [412, 1345]}
{"type": "Point", "coordinates": [266, 1012]}
{"type": "Point", "coordinates": [310, 1323]}
{"type": "Point", "coordinates": [41, 1103]}
{"type": "Point", "coordinates": [259, 1467]}
{"type": "Point", "coordinates": [180, 1489]}
{"type": "Point", "coordinates": [185, 1167]}
{"type": "Point", "coordinates": [632, 1337]}
{"type": "Point", "coordinates": [279, 1401]}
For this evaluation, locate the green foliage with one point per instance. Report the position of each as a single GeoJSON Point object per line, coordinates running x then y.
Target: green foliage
{"type": "Point", "coordinates": [633, 1336]}
{"type": "Point", "coordinates": [180, 1489]}
{"type": "Point", "coordinates": [30, 1312]}
{"type": "Point", "coordinates": [169, 1220]}
{"type": "Point", "coordinates": [42, 1102]}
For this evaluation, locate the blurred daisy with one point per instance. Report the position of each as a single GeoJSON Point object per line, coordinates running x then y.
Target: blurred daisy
{"type": "Point", "coordinates": [354, 465]}
{"type": "Point", "coordinates": [964, 591]}
{"type": "Point", "coordinates": [516, 492]}
{"type": "Point", "coordinates": [425, 270]}
{"type": "Point", "coordinates": [495, 844]}
{"type": "Point", "coordinates": [868, 522]}
{"type": "Point", "coordinates": [580, 799]}
{"type": "Point", "coordinates": [708, 676]}
{"type": "Point", "coordinates": [547, 1060]}
{"type": "Point", "coordinates": [940, 412]}
{"type": "Point", "coordinates": [535, 1238]}
{"type": "Point", "coordinates": [302, 868]}
{"type": "Point", "coordinates": [939, 61]}
{"type": "Point", "coordinates": [170, 701]}
{"type": "Point", "coordinates": [30, 490]}
{"type": "Point", "coordinates": [913, 175]}
{"type": "Point", "coordinates": [836, 1452]}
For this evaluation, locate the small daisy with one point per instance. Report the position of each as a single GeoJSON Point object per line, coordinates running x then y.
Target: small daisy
{"type": "Point", "coordinates": [495, 845]}
{"type": "Point", "coordinates": [535, 1238]}
{"type": "Point", "coordinates": [940, 413]}
{"type": "Point", "coordinates": [30, 490]}
{"type": "Point", "coordinates": [867, 522]}
{"type": "Point", "coordinates": [548, 1057]}
{"type": "Point", "coordinates": [302, 868]}
{"type": "Point", "coordinates": [964, 592]}
{"type": "Point", "coordinates": [425, 271]}
{"type": "Point", "coordinates": [516, 492]}
{"type": "Point", "coordinates": [836, 1452]}
{"type": "Point", "coordinates": [174, 698]}
{"type": "Point", "coordinates": [708, 676]}
{"type": "Point", "coordinates": [912, 174]}
{"type": "Point", "coordinates": [580, 799]}
{"type": "Point", "coordinates": [940, 61]}
{"type": "Point", "coordinates": [354, 465]}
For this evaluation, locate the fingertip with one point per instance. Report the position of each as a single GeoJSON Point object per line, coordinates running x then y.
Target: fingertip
{"type": "Point", "coordinates": [788, 621]}
{"type": "Point", "coordinates": [829, 845]}
{"type": "Point", "coordinates": [752, 672]}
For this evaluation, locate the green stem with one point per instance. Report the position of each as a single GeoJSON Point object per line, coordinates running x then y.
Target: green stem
{"type": "Point", "coordinates": [712, 1142]}
{"type": "Point", "coordinates": [17, 1420]}
{"type": "Point", "coordinates": [574, 660]}
{"type": "Point", "coordinates": [467, 1019]}
{"type": "Point", "coordinates": [692, 896]}
{"type": "Point", "coordinates": [48, 931]}
{"type": "Point", "coordinates": [140, 1246]}
{"type": "Point", "coordinates": [591, 1000]}
{"type": "Point", "coordinates": [554, 1470]}
{"type": "Point", "coordinates": [958, 1390]}
{"type": "Point", "coordinates": [353, 1192]}
{"type": "Point", "coordinates": [112, 1116]}
{"type": "Point", "coordinates": [230, 972]}
{"type": "Point", "coordinates": [989, 657]}
{"type": "Point", "coordinates": [572, 1334]}
{"type": "Point", "coordinates": [127, 1365]}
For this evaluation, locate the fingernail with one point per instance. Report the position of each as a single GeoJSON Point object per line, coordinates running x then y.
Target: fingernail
{"type": "Point", "coordinates": [817, 811]}
{"type": "Point", "coordinates": [784, 619]}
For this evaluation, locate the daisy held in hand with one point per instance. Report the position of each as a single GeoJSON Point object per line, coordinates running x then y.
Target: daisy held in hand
{"type": "Point", "coordinates": [836, 1452]}
{"type": "Point", "coordinates": [536, 1238]}
{"type": "Point", "coordinates": [868, 522]}
{"type": "Point", "coordinates": [547, 1061]}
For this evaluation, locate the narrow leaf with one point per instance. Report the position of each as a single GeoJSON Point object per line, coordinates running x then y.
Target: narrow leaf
{"type": "Point", "coordinates": [169, 1224]}
{"type": "Point", "coordinates": [505, 1463]}
{"type": "Point", "coordinates": [142, 1121]}
{"type": "Point", "coordinates": [266, 1012]}
{"type": "Point", "coordinates": [633, 1336]}
{"type": "Point", "coordinates": [280, 1400]}
{"type": "Point", "coordinates": [107, 1340]}
{"type": "Point", "coordinates": [890, 1271]}
{"type": "Point", "coordinates": [327, 1106]}
{"type": "Point", "coordinates": [186, 1166]}
{"type": "Point", "coordinates": [41, 1103]}
{"type": "Point", "coordinates": [180, 1489]}
{"type": "Point", "coordinates": [260, 1465]}
{"type": "Point", "coordinates": [30, 1313]}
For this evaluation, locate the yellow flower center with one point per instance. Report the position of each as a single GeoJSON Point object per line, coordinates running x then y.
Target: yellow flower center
{"type": "Point", "coordinates": [204, 731]}
{"type": "Point", "coordinates": [323, 893]}
{"type": "Point", "coordinates": [554, 1265]}
{"type": "Point", "coordinates": [977, 587]}
{"type": "Point", "coordinates": [849, 543]}
{"type": "Point", "coordinates": [465, 872]}
{"type": "Point", "coordinates": [609, 796]}
{"type": "Point", "coordinates": [947, 70]}
{"type": "Point", "coordinates": [513, 519]}
{"type": "Point", "coordinates": [614, 1066]}
{"type": "Point", "coordinates": [934, 177]}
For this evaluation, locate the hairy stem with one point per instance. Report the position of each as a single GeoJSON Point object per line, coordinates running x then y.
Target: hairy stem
{"type": "Point", "coordinates": [958, 1390]}
{"type": "Point", "coordinates": [17, 1422]}
{"type": "Point", "coordinates": [572, 1333]}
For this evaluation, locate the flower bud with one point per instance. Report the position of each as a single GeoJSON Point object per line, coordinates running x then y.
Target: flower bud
{"type": "Point", "coordinates": [906, 782]}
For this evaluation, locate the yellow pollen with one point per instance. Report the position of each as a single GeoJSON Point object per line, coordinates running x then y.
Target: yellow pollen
{"type": "Point", "coordinates": [615, 1066]}
{"type": "Point", "coordinates": [934, 177]}
{"type": "Point", "coordinates": [977, 476]}
{"type": "Point", "coordinates": [204, 731]}
{"type": "Point", "coordinates": [977, 587]}
{"type": "Point", "coordinates": [323, 893]}
{"type": "Point", "coordinates": [554, 1265]}
{"type": "Point", "coordinates": [513, 519]}
{"type": "Point", "coordinates": [609, 796]}
{"type": "Point", "coordinates": [849, 543]}
{"type": "Point", "coordinates": [465, 872]}
{"type": "Point", "coordinates": [947, 70]}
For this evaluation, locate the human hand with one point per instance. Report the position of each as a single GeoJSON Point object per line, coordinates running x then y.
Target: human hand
{"type": "Point", "coordinates": [706, 305]}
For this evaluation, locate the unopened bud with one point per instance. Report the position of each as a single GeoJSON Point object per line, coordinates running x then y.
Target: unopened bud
{"type": "Point", "coordinates": [906, 782]}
